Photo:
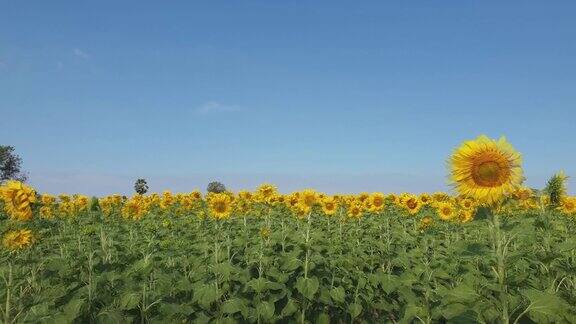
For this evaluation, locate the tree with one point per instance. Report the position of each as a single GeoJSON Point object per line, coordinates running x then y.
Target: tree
{"type": "Point", "coordinates": [141, 186]}
{"type": "Point", "coordinates": [10, 164]}
{"type": "Point", "coordinates": [216, 187]}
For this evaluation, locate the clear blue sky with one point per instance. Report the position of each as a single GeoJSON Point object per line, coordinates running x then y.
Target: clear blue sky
{"type": "Point", "coordinates": [340, 96]}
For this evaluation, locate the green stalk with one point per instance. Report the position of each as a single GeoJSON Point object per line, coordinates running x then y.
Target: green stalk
{"type": "Point", "coordinates": [307, 240]}
{"type": "Point", "coordinates": [500, 250]}
{"type": "Point", "coordinates": [8, 294]}
{"type": "Point", "coordinates": [216, 248]}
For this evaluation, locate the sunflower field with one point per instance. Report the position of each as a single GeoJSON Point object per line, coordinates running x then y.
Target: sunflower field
{"type": "Point", "coordinates": [494, 251]}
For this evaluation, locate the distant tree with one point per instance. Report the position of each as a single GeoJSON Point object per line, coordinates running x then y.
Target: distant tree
{"type": "Point", "coordinates": [10, 164]}
{"type": "Point", "coordinates": [141, 186]}
{"type": "Point", "coordinates": [216, 187]}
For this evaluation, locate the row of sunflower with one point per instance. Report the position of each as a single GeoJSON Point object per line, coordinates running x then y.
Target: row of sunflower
{"type": "Point", "coordinates": [484, 172]}
{"type": "Point", "coordinates": [19, 200]}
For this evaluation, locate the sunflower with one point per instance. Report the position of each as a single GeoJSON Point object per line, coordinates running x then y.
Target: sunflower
{"type": "Point", "coordinates": [265, 191]}
{"type": "Point", "coordinates": [446, 211]}
{"type": "Point", "coordinates": [376, 201]}
{"type": "Point", "coordinates": [308, 197]}
{"type": "Point", "coordinates": [81, 202]}
{"type": "Point", "coordinates": [355, 210]}
{"type": "Point", "coordinates": [135, 208]}
{"type": "Point", "coordinates": [486, 169]}
{"type": "Point", "coordinates": [18, 199]}
{"type": "Point", "coordinates": [465, 215]}
{"type": "Point", "coordinates": [220, 206]}
{"type": "Point", "coordinates": [329, 205]}
{"type": "Point", "coordinates": [467, 203]}
{"type": "Point", "coordinates": [47, 200]}
{"type": "Point", "coordinates": [522, 194]}
{"type": "Point", "coordinates": [425, 198]}
{"type": "Point", "coordinates": [440, 196]}
{"type": "Point", "coordinates": [425, 222]}
{"type": "Point", "coordinates": [301, 210]}
{"type": "Point", "coordinates": [167, 200]}
{"type": "Point", "coordinates": [46, 212]}
{"type": "Point", "coordinates": [568, 205]}
{"type": "Point", "coordinates": [412, 204]}
{"type": "Point", "coordinates": [196, 195]}
{"type": "Point", "coordinates": [16, 240]}
{"type": "Point", "coordinates": [292, 199]}
{"type": "Point", "coordinates": [363, 196]}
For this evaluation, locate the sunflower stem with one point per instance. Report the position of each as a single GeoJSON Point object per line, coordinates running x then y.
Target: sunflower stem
{"type": "Point", "coordinates": [8, 294]}
{"type": "Point", "coordinates": [500, 249]}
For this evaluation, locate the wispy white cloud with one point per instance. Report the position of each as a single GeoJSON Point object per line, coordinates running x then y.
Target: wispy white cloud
{"type": "Point", "coordinates": [216, 107]}
{"type": "Point", "coordinates": [81, 54]}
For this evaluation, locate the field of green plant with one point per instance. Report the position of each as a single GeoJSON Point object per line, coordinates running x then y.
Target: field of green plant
{"type": "Point", "coordinates": [496, 252]}
{"type": "Point", "coordinates": [382, 267]}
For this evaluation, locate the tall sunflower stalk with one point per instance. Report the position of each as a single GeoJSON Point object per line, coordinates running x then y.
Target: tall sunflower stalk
{"type": "Point", "coordinates": [488, 170]}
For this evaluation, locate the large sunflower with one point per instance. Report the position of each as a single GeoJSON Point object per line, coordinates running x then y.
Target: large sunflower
{"type": "Point", "coordinates": [486, 169]}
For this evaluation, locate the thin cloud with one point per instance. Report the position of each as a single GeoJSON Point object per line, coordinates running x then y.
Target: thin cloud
{"type": "Point", "coordinates": [81, 54]}
{"type": "Point", "coordinates": [216, 107]}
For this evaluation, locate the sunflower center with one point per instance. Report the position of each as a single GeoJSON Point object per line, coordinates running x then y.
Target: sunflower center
{"type": "Point", "coordinates": [446, 211]}
{"type": "Point", "coordinates": [488, 174]}
{"type": "Point", "coordinates": [220, 206]}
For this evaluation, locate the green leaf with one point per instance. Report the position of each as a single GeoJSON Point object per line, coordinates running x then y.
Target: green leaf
{"type": "Point", "coordinates": [323, 318]}
{"type": "Point", "coordinates": [413, 311]}
{"type": "Point", "coordinates": [338, 294]}
{"type": "Point", "coordinates": [545, 306]}
{"type": "Point", "coordinates": [73, 307]}
{"type": "Point", "coordinates": [291, 264]}
{"type": "Point", "coordinates": [258, 285]}
{"type": "Point", "coordinates": [454, 310]}
{"type": "Point", "coordinates": [389, 282]}
{"type": "Point", "coordinates": [463, 293]}
{"type": "Point", "coordinates": [129, 301]}
{"type": "Point", "coordinates": [206, 295]}
{"type": "Point", "coordinates": [289, 309]}
{"type": "Point", "coordinates": [265, 310]}
{"type": "Point", "coordinates": [233, 305]}
{"type": "Point", "coordinates": [307, 286]}
{"type": "Point", "coordinates": [354, 309]}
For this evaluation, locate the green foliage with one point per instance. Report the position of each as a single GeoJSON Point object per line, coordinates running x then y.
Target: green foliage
{"type": "Point", "coordinates": [94, 204]}
{"type": "Point", "coordinates": [10, 164]}
{"type": "Point", "coordinates": [141, 186]}
{"type": "Point", "coordinates": [216, 187]}
{"type": "Point", "coordinates": [381, 268]}
{"type": "Point", "coordinates": [556, 188]}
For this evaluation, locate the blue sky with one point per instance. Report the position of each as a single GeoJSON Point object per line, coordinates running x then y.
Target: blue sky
{"type": "Point", "coordinates": [339, 96]}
